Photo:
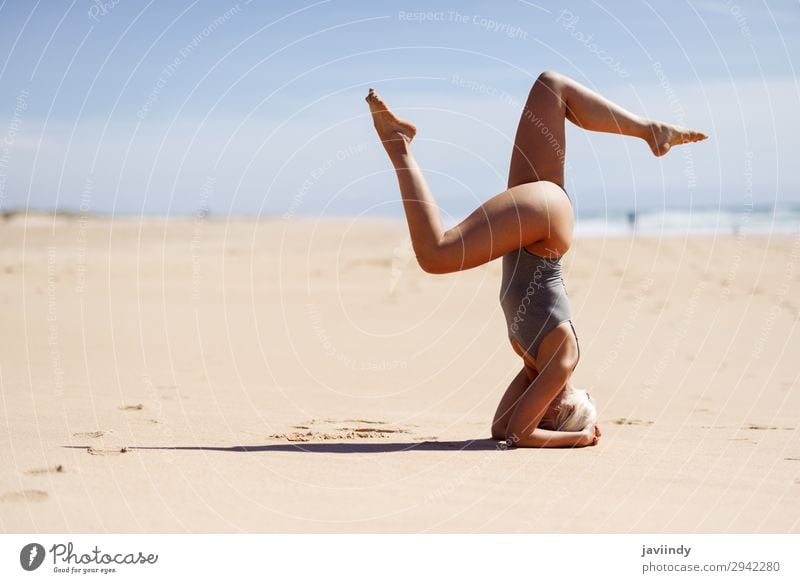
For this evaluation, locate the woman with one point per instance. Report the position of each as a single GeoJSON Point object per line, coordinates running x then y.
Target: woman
{"type": "Point", "coordinates": [530, 226]}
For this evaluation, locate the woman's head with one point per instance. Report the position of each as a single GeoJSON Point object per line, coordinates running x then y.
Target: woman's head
{"type": "Point", "coordinates": [572, 410]}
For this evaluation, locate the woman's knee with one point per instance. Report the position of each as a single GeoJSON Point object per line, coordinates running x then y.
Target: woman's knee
{"type": "Point", "coordinates": [560, 220]}
{"type": "Point", "coordinates": [445, 257]}
{"type": "Point", "coordinates": [551, 80]}
{"type": "Point", "coordinates": [559, 243]}
{"type": "Point", "coordinates": [435, 261]}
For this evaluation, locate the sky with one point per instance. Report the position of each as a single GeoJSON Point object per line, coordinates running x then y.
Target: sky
{"type": "Point", "coordinates": [256, 108]}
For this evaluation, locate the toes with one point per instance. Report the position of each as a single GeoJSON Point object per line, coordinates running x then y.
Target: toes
{"type": "Point", "coordinates": [674, 136]}
{"type": "Point", "coordinates": [373, 99]}
{"type": "Point", "coordinates": [692, 136]}
{"type": "Point", "coordinates": [386, 122]}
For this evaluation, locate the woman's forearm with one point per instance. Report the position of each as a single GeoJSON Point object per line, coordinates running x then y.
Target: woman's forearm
{"type": "Point", "coordinates": [546, 438]}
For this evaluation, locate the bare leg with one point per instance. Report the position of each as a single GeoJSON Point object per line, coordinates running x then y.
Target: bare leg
{"type": "Point", "coordinates": [540, 147]}
{"type": "Point", "coordinates": [512, 219]}
{"type": "Point", "coordinates": [424, 220]}
{"type": "Point", "coordinates": [534, 210]}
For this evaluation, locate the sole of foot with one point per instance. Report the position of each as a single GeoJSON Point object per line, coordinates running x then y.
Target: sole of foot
{"type": "Point", "coordinates": [664, 136]}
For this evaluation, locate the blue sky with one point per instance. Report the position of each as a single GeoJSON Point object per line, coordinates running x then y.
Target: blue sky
{"type": "Point", "coordinates": [257, 108]}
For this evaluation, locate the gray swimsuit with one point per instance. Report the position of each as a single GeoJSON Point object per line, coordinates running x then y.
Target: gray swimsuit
{"type": "Point", "coordinates": [533, 297]}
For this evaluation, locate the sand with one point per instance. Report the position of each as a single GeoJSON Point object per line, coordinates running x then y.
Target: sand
{"type": "Point", "coordinates": [291, 375]}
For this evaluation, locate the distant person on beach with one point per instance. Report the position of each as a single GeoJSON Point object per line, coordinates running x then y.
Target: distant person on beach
{"type": "Point", "coordinates": [530, 226]}
{"type": "Point", "coordinates": [632, 220]}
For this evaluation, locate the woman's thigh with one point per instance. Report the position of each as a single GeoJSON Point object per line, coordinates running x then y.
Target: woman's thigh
{"type": "Point", "coordinates": [540, 142]}
{"type": "Point", "coordinates": [536, 216]}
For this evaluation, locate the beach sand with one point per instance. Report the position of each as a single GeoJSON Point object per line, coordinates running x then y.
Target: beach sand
{"type": "Point", "coordinates": [288, 375]}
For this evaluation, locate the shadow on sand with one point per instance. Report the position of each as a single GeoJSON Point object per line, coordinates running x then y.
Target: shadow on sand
{"type": "Point", "coordinates": [317, 447]}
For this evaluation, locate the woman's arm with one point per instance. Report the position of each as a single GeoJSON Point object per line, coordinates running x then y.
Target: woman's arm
{"type": "Point", "coordinates": [546, 438]}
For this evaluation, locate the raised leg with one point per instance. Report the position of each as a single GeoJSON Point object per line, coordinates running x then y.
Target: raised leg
{"type": "Point", "coordinates": [517, 217]}
{"type": "Point", "coordinates": [540, 146]}
{"type": "Point", "coordinates": [533, 212]}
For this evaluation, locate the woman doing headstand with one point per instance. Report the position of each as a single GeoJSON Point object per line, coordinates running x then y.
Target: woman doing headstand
{"type": "Point", "coordinates": [529, 225]}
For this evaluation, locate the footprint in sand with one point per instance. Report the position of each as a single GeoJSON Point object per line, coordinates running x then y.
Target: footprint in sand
{"type": "Point", "coordinates": [372, 431]}
{"type": "Point", "coordinates": [106, 450]}
{"type": "Point", "coordinates": [92, 434]}
{"type": "Point", "coordinates": [137, 407]}
{"type": "Point", "coordinates": [24, 496]}
{"type": "Point", "coordinates": [626, 421]}
{"type": "Point", "coordinates": [344, 433]}
{"type": "Point", "coordinates": [331, 429]}
{"type": "Point", "coordinates": [170, 392]}
{"type": "Point", "coordinates": [59, 469]}
{"type": "Point", "coordinates": [758, 427]}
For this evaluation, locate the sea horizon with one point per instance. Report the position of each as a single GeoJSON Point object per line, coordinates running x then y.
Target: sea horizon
{"type": "Point", "coordinates": [781, 219]}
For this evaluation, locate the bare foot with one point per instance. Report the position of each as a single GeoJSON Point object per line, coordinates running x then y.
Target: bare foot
{"type": "Point", "coordinates": [387, 124]}
{"type": "Point", "coordinates": [661, 137]}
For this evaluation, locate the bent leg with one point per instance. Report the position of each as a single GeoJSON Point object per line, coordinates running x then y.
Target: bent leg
{"type": "Point", "coordinates": [512, 219]}
{"type": "Point", "coordinates": [540, 146]}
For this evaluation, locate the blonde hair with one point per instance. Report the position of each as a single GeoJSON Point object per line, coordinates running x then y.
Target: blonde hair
{"type": "Point", "coordinates": [576, 411]}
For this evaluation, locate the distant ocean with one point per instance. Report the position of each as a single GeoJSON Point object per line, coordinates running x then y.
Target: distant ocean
{"type": "Point", "coordinates": [780, 220]}
{"type": "Point", "coordinates": [657, 223]}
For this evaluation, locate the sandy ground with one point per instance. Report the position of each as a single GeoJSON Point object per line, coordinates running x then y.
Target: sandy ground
{"type": "Point", "coordinates": [300, 376]}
